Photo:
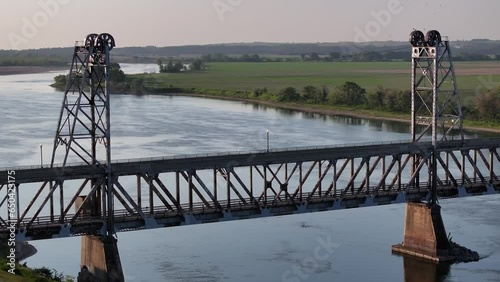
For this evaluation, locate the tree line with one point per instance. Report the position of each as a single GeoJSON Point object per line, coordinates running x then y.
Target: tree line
{"type": "Point", "coordinates": [368, 56]}
{"type": "Point", "coordinates": [483, 108]}
{"type": "Point", "coordinates": [349, 94]}
{"type": "Point", "coordinates": [176, 65]}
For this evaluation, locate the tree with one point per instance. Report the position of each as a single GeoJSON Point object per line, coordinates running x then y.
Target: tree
{"type": "Point", "coordinates": [375, 100]}
{"type": "Point", "coordinates": [259, 91]}
{"type": "Point", "coordinates": [116, 74]}
{"type": "Point", "coordinates": [389, 99]}
{"type": "Point", "coordinates": [314, 94]}
{"type": "Point", "coordinates": [289, 94]}
{"type": "Point", "coordinates": [178, 66]}
{"type": "Point", "coordinates": [349, 93]}
{"type": "Point", "coordinates": [487, 105]}
{"type": "Point", "coordinates": [61, 79]}
{"type": "Point", "coordinates": [197, 65]}
{"type": "Point", "coordinates": [137, 86]}
{"type": "Point", "coordinates": [172, 66]}
{"type": "Point", "coordinates": [315, 56]}
{"type": "Point", "coordinates": [159, 62]}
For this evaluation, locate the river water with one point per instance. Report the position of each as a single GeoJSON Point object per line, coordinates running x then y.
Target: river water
{"type": "Point", "coordinates": [269, 249]}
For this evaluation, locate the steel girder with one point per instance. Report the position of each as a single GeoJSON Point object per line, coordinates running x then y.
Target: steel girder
{"type": "Point", "coordinates": [195, 189]}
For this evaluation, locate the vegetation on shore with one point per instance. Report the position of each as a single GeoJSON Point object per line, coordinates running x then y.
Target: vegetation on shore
{"type": "Point", "coordinates": [340, 87]}
{"type": "Point", "coordinates": [25, 274]}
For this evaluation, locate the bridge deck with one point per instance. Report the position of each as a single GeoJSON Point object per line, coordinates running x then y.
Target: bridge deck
{"type": "Point", "coordinates": [37, 173]}
{"type": "Point", "coordinates": [402, 168]}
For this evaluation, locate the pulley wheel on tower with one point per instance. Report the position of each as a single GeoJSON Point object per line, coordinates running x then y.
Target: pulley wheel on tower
{"type": "Point", "coordinates": [417, 38]}
{"type": "Point", "coordinates": [433, 38]}
{"type": "Point", "coordinates": [90, 39]}
{"type": "Point", "coordinates": [105, 39]}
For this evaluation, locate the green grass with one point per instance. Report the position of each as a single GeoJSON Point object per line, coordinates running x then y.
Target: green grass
{"type": "Point", "coordinates": [275, 76]}
{"type": "Point", "coordinates": [24, 274]}
{"type": "Point", "coordinates": [239, 80]}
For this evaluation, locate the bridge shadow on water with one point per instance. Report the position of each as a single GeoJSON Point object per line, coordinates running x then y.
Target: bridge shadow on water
{"type": "Point", "coordinates": [419, 270]}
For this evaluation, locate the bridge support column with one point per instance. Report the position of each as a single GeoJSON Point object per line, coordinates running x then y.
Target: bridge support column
{"type": "Point", "coordinates": [424, 233]}
{"type": "Point", "coordinates": [100, 259]}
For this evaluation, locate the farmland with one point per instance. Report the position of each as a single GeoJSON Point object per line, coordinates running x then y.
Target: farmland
{"type": "Point", "coordinates": [471, 76]}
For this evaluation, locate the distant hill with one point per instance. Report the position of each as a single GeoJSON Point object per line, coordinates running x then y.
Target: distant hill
{"type": "Point", "coordinates": [477, 49]}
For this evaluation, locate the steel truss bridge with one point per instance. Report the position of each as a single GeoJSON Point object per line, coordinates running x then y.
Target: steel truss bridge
{"type": "Point", "coordinates": [181, 190]}
{"type": "Point", "coordinates": [100, 196]}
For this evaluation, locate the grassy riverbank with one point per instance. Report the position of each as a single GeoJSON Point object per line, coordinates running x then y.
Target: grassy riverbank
{"type": "Point", "coordinates": [264, 83]}
{"type": "Point", "coordinates": [471, 76]}
{"type": "Point", "coordinates": [26, 274]}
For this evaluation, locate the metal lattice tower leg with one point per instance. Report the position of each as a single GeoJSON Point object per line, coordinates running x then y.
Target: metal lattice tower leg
{"type": "Point", "coordinates": [83, 131]}
{"type": "Point", "coordinates": [436, 107]}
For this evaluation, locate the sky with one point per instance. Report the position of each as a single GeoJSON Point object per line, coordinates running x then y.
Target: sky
{"type": "Point", "coordinates": [32, 24]}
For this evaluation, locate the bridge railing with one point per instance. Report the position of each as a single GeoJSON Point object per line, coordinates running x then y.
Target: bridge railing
{"type": "Point", "coordinates": [236, 153]}
{"type": "Point", "coordinates": [218, 154]}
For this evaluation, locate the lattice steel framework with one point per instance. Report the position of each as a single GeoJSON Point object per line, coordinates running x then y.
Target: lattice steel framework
{"type": "Point", "coordinates": [171, 191]}
{"type": "Point", "coordinates": [436, 107]}
{"type": "Point", "coordinates": [83, 130]}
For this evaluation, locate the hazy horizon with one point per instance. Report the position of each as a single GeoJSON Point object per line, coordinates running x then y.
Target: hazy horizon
{"type": "Point", "coordinates": [160, 23]}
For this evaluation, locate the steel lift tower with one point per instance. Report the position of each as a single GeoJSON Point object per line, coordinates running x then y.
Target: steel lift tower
{"type": "Point", "coordinates": [435, 107]}
{"type": "Point", "coordinates": [83, 134]}
{"type": "Point", "coordinates": [436, 111]}
{"type": "Point", "coordinates": [83, 130]}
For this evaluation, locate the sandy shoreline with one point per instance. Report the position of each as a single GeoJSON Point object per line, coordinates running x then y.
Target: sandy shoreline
{"type": "Point", "coordinates": [328, 112]}
{"type": "Point", "coordinates": [11, 70]}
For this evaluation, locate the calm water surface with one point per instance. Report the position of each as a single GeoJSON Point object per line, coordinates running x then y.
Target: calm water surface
{"type": "Point", "coordinates": [268, 249]}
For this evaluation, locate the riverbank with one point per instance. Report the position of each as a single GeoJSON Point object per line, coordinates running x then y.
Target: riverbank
{"type": "Point", "coordinates": [12, 70]}
{"type": "Point", "coordinates": [25, 251]}
{"type": "Point", "coordinates": [23, 273]}
{"type": "Point", "coordinates": [324, 110]}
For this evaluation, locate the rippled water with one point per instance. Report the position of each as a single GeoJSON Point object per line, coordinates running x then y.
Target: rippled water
{"type": "Point", "coordinates": [268, 249]}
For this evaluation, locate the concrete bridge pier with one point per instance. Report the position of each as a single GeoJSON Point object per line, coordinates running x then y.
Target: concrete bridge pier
{"type": "Point", "coordinates": [100, 259]}
{"type": "Point", "coordinates": [424, 233]}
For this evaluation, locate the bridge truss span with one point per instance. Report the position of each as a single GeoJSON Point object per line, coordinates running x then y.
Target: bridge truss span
{"type": "Point", "coordinates": [173, 191]}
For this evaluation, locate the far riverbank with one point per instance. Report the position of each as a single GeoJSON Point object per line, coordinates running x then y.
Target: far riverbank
{"type": "Point", "coordinates": [12, 70]}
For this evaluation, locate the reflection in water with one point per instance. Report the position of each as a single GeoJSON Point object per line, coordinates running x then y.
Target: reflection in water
{"type": "Point", "coordinates": [373, 124]}
{"type": "Point", "coordinates": [419, 270]}
{"type": "Point", "coordinates": [315, 116]}
{"type": "Point", "coordinates": [347, 120]}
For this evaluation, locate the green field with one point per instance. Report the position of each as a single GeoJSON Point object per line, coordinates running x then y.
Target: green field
{"type": "Point", "coordinates": [471, 76]}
